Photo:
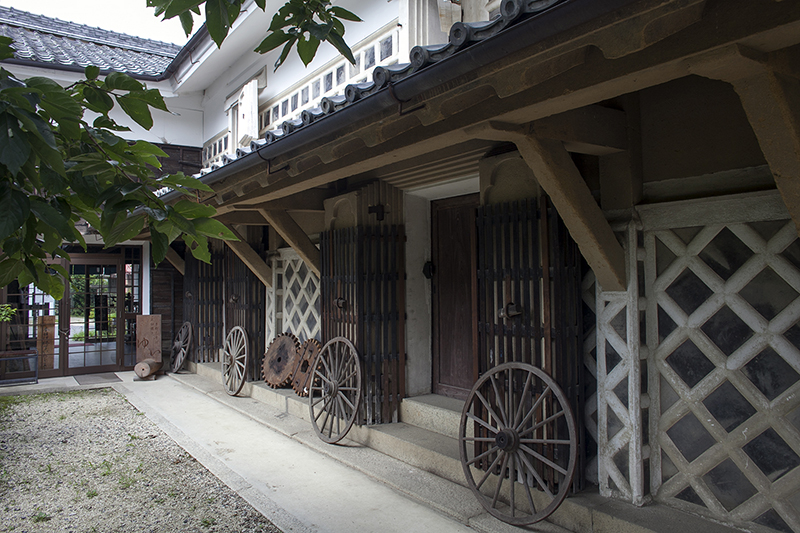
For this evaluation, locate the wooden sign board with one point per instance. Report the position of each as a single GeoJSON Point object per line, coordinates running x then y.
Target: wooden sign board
{"type": "Point", "coordinates": [148, 337]}
{"type": "Point", "coordinates": [46, 342]}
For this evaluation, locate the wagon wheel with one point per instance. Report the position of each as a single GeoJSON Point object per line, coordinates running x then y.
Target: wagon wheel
{"type": "Point", "coordinates": [334, 390]}
{"type": "Point", "coordinates": [180, 348]}
{"type": "Point", "coordinates": [235, 358]}
{"type": "Point", "coordinates": [518, 444]}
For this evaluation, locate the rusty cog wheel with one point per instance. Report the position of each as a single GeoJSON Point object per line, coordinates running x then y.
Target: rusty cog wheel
{"type": "Point", "coordinates": [280, 360]}
{"type": "Point", "coordinates": [307, 353]}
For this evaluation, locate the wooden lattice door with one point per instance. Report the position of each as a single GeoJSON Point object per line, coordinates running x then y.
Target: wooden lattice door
{"type": "Point", "coordinates": [363, 300]}
{"type": "Point", "coordinates": [529, 295]}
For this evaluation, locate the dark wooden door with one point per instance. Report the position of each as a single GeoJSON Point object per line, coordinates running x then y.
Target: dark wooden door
{"type": "Point", "coordinates": [454, 295]}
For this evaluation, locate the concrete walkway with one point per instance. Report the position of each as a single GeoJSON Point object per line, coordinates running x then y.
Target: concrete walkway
{"type": "Point", "coordinates": [276, 462]}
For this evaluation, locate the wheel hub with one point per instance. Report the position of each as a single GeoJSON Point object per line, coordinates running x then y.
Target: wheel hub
{"type": "Point", "coordinates": [507, 440]}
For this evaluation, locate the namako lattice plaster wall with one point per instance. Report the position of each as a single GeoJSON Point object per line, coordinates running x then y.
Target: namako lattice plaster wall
{"type": "Point", "coordinates": [698, 362]}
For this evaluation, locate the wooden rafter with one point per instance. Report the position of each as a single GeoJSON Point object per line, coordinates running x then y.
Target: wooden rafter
{"type": "Point", "coordinates": [293, 234]}
{"type": "Point", "coordinates": [250, 258]}
{"type": "Point", "coordinates": [176, 260]}
{"type": "Point", "coordinates": [770, 97]}
{"type": "Point", "coordinates": [562, 181]}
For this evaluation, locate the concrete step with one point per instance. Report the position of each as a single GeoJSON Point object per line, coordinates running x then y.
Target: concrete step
{"type": "Point", "coordinates": [435, 413]}
{"type": "Point", "coordinates": [423, 462]}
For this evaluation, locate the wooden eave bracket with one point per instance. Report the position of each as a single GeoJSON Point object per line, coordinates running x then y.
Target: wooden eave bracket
{"type": "Point", "coordinates": [770, 97]}
{"type": "Point", "coordinates": [293, 234]}
{"type": "Point", "coordinates": [176, 260]}
{"type": "Point", "coordinates": [250, 258]}
{"type": "Point", "coordinates": [562, 181]}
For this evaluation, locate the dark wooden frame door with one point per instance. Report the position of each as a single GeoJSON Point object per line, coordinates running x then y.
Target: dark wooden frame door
{"type": "Point", "coordinates": [454, 295]}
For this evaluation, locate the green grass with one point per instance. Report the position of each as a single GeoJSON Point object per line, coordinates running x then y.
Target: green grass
{"type": "Point", "coordinates": [91, 493]}
{"type": "Point", "coordinates": [41, 517]}
{"type": "Point", "coordinates": [126, 482]}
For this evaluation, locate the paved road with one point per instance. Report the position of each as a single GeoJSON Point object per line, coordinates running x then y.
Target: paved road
{"type": "Point", "coordinates": [296, 487]}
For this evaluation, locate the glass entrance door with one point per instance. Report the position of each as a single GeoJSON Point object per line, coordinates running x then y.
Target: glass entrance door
{"type": "Point", "coordinates": [93, 334]}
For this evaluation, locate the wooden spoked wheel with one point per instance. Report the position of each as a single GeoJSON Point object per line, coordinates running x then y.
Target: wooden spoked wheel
{"type": "Point", "coordinates": [180, 347]}
{"type": "Point", "coordinates": [518, 443]}
{"type": "Point", "coordinates": [334, 390]}
{"type": "Point", "coordinates": [235, 358]}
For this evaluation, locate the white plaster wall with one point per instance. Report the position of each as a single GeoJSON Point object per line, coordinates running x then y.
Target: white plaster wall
{"type": "Point", "coordinates": [375, 15]}
{"type": "Point", "coordinates": [418, 296]}
{"type": "Point", "coordinates": [182, 125]}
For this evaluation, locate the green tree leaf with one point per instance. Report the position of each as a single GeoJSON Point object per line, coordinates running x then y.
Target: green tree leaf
{"type": "Point", "coordinates": [191, 209]}
{"type": "Point", "coordinates": [14, 210]}
{"type": "Point", "coordinates": [181, 180]}
{"type": "Point", "coordinates": [307, 49]}
{"type": "Point", "coordinates": [97, 100]}
{"type": "Point", "coordinates": [217, 20]}
{"type": "Point", "coordinates": [160, 244]}
{"type": "Point", "coordinates": [342, 13]}
{"type": "Point", "coordinates": [198, 246]}
{"type": "Point", "coordinates": [14, 148]}
{"type": "Point", "coordinates": [213, 228]}
{"type": "Point", "coordinates": [176, 7]}
{"type": "Point", "coordinates": [52, 217]}
{"type": "Point", "coordinates": [121, 81]}
{"type": "Point", "coordinates": [272, 41]}
{"type": "Point", "coordinates": [129, 228]}
{"type": "Point", "coordinates": [10, 269]}
{"type": "Point", "coordinates": [91, 72]}
{"type": "Point", "coordinates": [137, 110]}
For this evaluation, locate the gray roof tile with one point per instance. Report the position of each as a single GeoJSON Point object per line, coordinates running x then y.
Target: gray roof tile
{"type": "Point", "coordinates": [60, 44]}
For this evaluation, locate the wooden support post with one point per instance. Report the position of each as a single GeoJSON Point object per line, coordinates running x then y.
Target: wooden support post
{"type": "Point", "coordinates": [176, 260]}
{"type": "Point", "coordinates": [293, 234]}
{"type": "Point", "coordinates": [771, 100]}
{"type": "Point", "coordinates": [250, 258]}
{"type": "Point", "coordinates": [561, 180]}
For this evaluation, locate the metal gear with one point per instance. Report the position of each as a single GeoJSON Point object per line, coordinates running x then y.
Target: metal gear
{"type": "Point", "coordinates": [280, 360]}
{"type": "Point", "coordinates": [307, 353]}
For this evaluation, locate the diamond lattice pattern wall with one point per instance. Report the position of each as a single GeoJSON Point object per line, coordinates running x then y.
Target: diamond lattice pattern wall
{"type": "Point", "coordinates": [293, 306]}
{"type": "Point", "coordinates": [722, 331]}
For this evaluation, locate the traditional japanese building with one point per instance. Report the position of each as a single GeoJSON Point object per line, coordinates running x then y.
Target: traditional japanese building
{"type": "Point", "coordinates": [608, 191]}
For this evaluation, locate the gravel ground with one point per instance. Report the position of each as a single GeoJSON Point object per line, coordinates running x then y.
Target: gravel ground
{"type": "Point", "coordinates": [88, 461]}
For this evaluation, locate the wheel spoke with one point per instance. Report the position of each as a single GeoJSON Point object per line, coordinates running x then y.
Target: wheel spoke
{"type": "Point", "coordinates": [512, 477]}
{"type": "Point", "coordinates": [544, 441]}
{"type": "Point", "coordinates": [481, 422]}
{"type": "Point", "coordinates": [488, 407]}
{"type": "Point", "coordinates": [541, 423]}
{"type": "Point", "coordinates": [525, 390]}
{"type": "Point", "coordinates": [507, 399]}
{"type": "Point", "coordinates": [477, 458]}
{"type": "Point", "coordinates": [479, 439]}
{"type": "Point", "coordinates": [500, 478]}
{"type": "Point", "coordinates": [533, 408]}
{"type": "Point", "coordinates": [344, 398]}
{"type": "Point", "coordinates": [544, 459]}
{"type": "Point", "coordinates": [499, 400]}
{"type": "Point", "coordinates": [489, 470]}
{"type": "Point", "coordinates": [528, 494]}
{"type": "Point", "coordinates": [536, 475]}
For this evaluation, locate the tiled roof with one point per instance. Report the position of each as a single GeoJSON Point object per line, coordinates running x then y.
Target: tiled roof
{"type": "Point", "coordinates": [462, 35]}
{"type": "Point", "coordinates": [59, 44]}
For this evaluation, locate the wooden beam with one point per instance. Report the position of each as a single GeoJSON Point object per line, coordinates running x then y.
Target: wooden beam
{"type": "Point", "coordinates": [293, 234]}
{"type": "Point", "coordinates": [561, 180]}
{"type": "Point", "coordinates": [176, 260]}
{"type": "Point", "coordinates": [593, 129]}
{"type": "Point", "coordinates": [250, 258]}
{"type": "Point", "coordinates": [771, 100]}
{"type": "Point", "coordinates": [242, 218]}
{"type": "Point", "coordinates": [310, 200]}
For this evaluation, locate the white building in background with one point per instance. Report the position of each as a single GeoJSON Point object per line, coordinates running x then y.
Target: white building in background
{"type": "Point", "coordinates": [605, 190]}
